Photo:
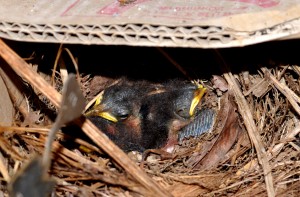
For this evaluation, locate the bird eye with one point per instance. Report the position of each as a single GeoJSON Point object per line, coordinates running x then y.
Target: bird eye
{"type": "Point", "coordinates": [123, 116]}
{"type": "Point", "coordinates": [121, 111]}
{"type": "Point", "coordinates": [182, 112]}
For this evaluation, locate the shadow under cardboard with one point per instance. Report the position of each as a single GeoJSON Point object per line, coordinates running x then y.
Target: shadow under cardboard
{"type": "Point", "coordinates": [148, 63]}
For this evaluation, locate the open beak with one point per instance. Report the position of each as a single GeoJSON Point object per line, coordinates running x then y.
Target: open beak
{"type": "Point", "coordinates": [197, 97]}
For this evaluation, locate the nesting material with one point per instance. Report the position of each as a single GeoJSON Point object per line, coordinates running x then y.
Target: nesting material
{"type": "Point", "coordinates": [84, 167]}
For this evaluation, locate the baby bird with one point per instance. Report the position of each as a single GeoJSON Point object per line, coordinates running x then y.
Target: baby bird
{"type": "Point", "coordinates": [117, 113]}
{"type": "Point", "coordinates": [141, 115]}
{"type": "Point", "coordinates": [165, 114]}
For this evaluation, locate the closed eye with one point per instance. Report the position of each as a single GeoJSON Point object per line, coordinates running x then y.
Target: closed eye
{"type": "Point", "coordinates": [121, 112]}
{"type": "Point", "coordinates": [123, 116]}
{"type": "Point", "coordinates": [183, 112]}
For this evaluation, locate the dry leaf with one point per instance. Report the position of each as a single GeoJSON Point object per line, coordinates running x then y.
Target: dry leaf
{"type": "Point", "coordinates": [219, 83]}
{"type": "Point", "coordinates": [229, 125]}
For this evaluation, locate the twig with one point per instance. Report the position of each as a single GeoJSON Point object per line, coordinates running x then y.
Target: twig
{"type": "Point", "coordinates": [251, 128]}
{"type": "Point", "coordinates": [55, 63]}
{"type": "Point", "coordinates": [289, 181]}
{"type": "Point", "coordinates": [289, 135]}
{"type": "Point", "coordinates": [4, 171]}
{"type": "Point", "coordinates": [23, 129]}
{"type": "Point", "coordinates": [10, 150]}
{"type": "Point", "coordinates": [74, 62]}
{"type": "Point", "coordinates": [253, 133]}
{"type": "Point", "coordinates": [290, 95]}
{"type": "Point", "coordinates": [296, 68]}
{"type": "Point", "coordinates": [81, 161]}
{"type": "Point", "coordinates": [91, 102]}
{"type": "Point", "coordinates": [271, 153]}
{"type": "Point", "coordinates": [45, 131]}
{"type": "Point", "coordinates": [22, 69]}
{"type": "Point", "coordinates": [232, 185]}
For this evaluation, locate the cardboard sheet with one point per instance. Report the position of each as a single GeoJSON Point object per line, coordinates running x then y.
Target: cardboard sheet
{"type": "Point", "coordinates": [174, 23]}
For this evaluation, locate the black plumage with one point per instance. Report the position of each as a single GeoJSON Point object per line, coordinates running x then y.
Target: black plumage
{"type": "Point", "coordinates": [141, 115]}
{"type": "Point", "coordinates": [118, 112]}
{"type": "Point", "coordinates": [166, 113]}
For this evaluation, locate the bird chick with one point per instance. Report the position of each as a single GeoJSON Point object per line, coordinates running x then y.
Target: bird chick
{"type": "Point", "coordinates": [165, 114]}
{"type": "Point", "coordinates": [141, 115]}
{"type": "Point", "coordinates": [117, 113]}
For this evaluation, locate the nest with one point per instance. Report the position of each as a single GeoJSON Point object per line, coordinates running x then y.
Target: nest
{"type": "Point", "coordinates": [262, 160]}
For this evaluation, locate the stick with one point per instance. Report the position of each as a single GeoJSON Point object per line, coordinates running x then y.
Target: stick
{"type": "Point", "coordinates": [286, 91]}
{"type": "Point", "coordinates": [253, 133]}
{"type": "Point", "coordinates": [245, 112]}
{"type": "Point", "coordinates": [23, 69]}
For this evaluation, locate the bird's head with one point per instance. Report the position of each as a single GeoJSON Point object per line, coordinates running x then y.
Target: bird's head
{"type": "Point", "coordinates": [117, 113]}
{"type": "Point", "coordinates": [117, 103]}
{"type": "Point", "coordinates": [187, 99]}
{"type": "Point", "coordinates": [167, 112]}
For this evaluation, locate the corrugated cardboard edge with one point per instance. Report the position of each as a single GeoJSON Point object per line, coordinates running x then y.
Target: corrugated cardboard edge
{"type": "Point", "coordinates": [57, 22]}
{"type": "Point", "coordinates": [146, 35]}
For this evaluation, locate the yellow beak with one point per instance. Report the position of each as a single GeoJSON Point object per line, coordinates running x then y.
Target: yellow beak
{"type": "Point", "coordinates": [198, 95]}
{"type": "Point", "coordinates": [103, 114]}
{"type": "Point", "coordinates": [107, 116]}
{"type": "Point", "coordinates": [97, 110]}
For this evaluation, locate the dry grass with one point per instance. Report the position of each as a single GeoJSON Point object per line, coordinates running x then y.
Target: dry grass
{"type": "Point", "coordinates": [264, 164]}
